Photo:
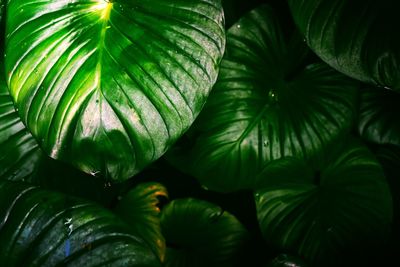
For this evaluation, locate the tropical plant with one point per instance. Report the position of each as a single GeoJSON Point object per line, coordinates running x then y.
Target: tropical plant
{"type": "Point", "coordinates": [187, 133]}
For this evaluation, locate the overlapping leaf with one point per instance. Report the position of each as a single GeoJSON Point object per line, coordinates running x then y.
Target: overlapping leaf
{"type": "Point", "coordinates": [109, 85]}
{"type": "Point", "coordinates": [379, 116]}
{"type": "Point", "coordinates": [42, 228]}
{"type": "Point", "coordinates": [140, 209]}
{"type": "Point", "coordinates": [200, 234]}
{"type": "Point", "coordinates": [359, 37]}
{"type": "Point", "coordinates": [268, 104]}
{"type": "Point", "coordinates": [337, 214]}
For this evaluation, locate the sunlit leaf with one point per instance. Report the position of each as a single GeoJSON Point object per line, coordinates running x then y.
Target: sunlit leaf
{"type": "Point", "coordinates": [20, 153]}
{"type": "Point", "coordinates": [109, 85]}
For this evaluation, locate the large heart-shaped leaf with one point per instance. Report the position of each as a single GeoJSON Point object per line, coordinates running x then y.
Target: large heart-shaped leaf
{"type": "Point", "coordinates": [267, 104]}
{"type": "Point", "coordinates": [140, 209]}
{"type": "Point", "coordinates": [109, 85]}
{"type": "Point", "coordinates": [42, 228]}
{"type": "Point", "coordinates": [379, 116]}
{"type": "Point", "coordinates": [200, 234]}
{"type": "Point", "coordinates": [339, 212]}
{"type": "Point", "coordinates": [359, 37]}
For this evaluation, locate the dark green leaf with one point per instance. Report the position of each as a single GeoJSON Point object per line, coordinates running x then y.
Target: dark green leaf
{"type": "Point", "coordinates": [109, 85]}
{"type": "Point", "coordinates": [140, 209]}
{"type": "Point", "coordinates": [42, 228]}
{"type": "Point", "coordinates": [359, 37]}
{"type": "Point", "coordinates": [379, 116]}
{"type": "Point", "coordinates": [345, 208]}
{"type": "Point", "coordinates": [267, 104]}
{"type": "Point", "coordinates": [200, 234]}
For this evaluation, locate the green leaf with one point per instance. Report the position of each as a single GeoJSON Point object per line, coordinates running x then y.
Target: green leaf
{"type": "Point", "coordinates": [334, 214]}
{"type": "Point", "coordinates": [200, 234]}
{"type": "Point", "coordinates": [140, 209]}
{"type": "Point", "coordinates": [43, 228]}
{"type": "Point", "coordinates": [359, 37]}
{"type": "Point", "coordinates": [2, 12]}
{"type": "Point", "coordinates": [19, 153]}
{"type": "Point", "coordinates": [21, 159]}
{"type": "Point", "coordinates": [269, 103]}
{"type": "Point", "coordinates": [109, 85]}
{"type": "Point", "coordinates": [379, 116]}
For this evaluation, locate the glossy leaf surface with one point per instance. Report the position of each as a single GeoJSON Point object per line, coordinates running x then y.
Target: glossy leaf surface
{"type": "Point", "coordinates": [140, 209]}
{"type": "Point", "coordinates": [267, 104]}
{"type": "Point", "coordinates": [331, 215]}
{"type": "Point", "coordinates": [109, 85]}
{"type": "Point", "coordinates": [379, 116]}
{"type": "Point", "coordinates": [359, 37]}
{"type": "Point", "coordinates": [199, 233]}
{"type": "Point", "coordinates": [21, 158]}
{"type": "Point", "coordinates": [42, 228]}
{"type": "Point", "coordinates": [20, 153]}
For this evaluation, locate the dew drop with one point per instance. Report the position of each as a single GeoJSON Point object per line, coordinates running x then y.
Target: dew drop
{"type": "Point", "coordinates": [204, 187]}
{"type": "Point", "coordinates": [273, 96]}
{"type": "Point", "coordinates": [238, 26]}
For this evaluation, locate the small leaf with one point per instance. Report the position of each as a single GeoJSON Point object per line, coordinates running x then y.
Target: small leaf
{"type": "Point", "coordinates": [200, 234]}
{"type": "Point", "coordinates": [140, 209]}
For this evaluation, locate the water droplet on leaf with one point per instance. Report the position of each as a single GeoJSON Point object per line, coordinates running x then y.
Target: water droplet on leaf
{"type": "Point", "coordinates": [273, 96]}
